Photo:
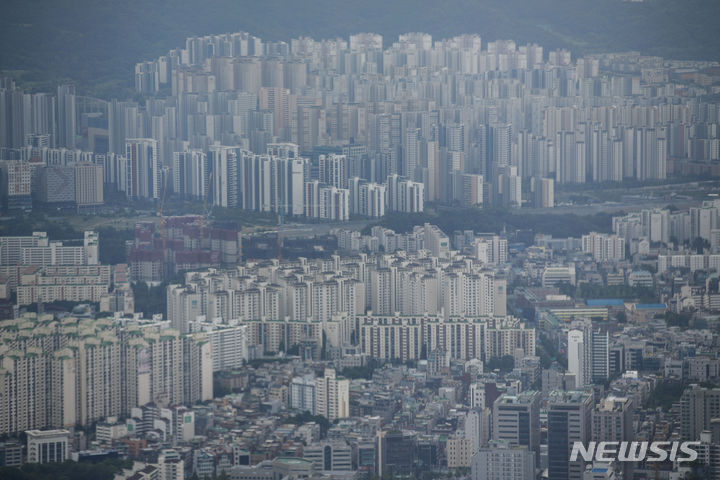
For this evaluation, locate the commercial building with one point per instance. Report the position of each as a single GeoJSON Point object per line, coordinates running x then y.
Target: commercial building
{"type": "Point", "coordinates": [516, 420]}
{"type": "Point", "coordinates": [503, 461]}
{"type": "Point", "coordinates": [48, 446]}
{"type": "Point", "coordinates": [569, 421]}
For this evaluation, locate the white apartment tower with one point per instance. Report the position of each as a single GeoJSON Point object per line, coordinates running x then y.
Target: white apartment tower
{"type": "Point", "coordinates": [332, 396]}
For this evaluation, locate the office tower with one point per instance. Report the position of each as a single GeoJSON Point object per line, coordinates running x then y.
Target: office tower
{"type": "Point", "coordinates": [516, 419]}
{"type": "Point", "coordinates": [48, 446]}
{"type": "Point", "coordinates": [698, 406]}
{"type": "Point", "coordinates": [303, 393]}
{"type": "Point", "coordinates": [501, 460]}
{"type": "Point", "coordinates": [89, 184]}
{"type": "Point", "coordinates": [332, 396]}
{"type": "Point", "coordinates": [67, 115]}
{"type": "Point", "coordinates": [569, 421]}
{"type": "Point", "coordinates": [141, 176]}
{"type": "Point", "coordinates": [577, 364]}
{"type": "Point", "coordinates": [588, 353]}
{"type": "Point", "coordinates": [396, 453]}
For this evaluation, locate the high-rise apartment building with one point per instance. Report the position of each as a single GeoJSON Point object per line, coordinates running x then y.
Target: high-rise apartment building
{"type": "Point", "coordinates": [303, 393]}
{"type": "Point", "coordinates": [698, 406]}
{"type": "Point", "coordinates": [107, 372]}
{"type": "Point", "coordinates": [332, 396]}
{"type": "Point", "coordinates": [140, 169]}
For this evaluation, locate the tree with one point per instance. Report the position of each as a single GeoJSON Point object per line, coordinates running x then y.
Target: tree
{"type": "Point", "coordinates": [673, 319]}
{"type": "Point", "coordinates": [699, 244]}
{"type": "Point", "coordinates": [150, 300]}
{"type": "Point", "coordinates": [504, 364]}
{"type": "Point", "coordinates": [104, 470]}
{"type": "Point", "coordinates": [307, 417]}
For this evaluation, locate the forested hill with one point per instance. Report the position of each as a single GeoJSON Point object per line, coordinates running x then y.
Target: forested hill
{"type": "Point", "coordinates": [96, 42]}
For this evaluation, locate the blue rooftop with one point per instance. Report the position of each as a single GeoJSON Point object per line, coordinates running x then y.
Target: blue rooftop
{"type": "Point", "coordinates": [650, 306]}
{"type": "Point", "coordinates": [604, 302]}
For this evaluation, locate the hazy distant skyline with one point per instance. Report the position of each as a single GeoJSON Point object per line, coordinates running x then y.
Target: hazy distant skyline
{"type": "Point", "coordinates": [95, 44]}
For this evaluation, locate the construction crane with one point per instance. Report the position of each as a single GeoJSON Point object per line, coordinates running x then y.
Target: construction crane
{"type": "Point", "coordinates": [281, 225]}
{"type": "Point", "coordinates": [160, 213]}
{"type": "Point", "coordinates": [205, 211]}
{"type": "Point", "coordinates": [281, 222]}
